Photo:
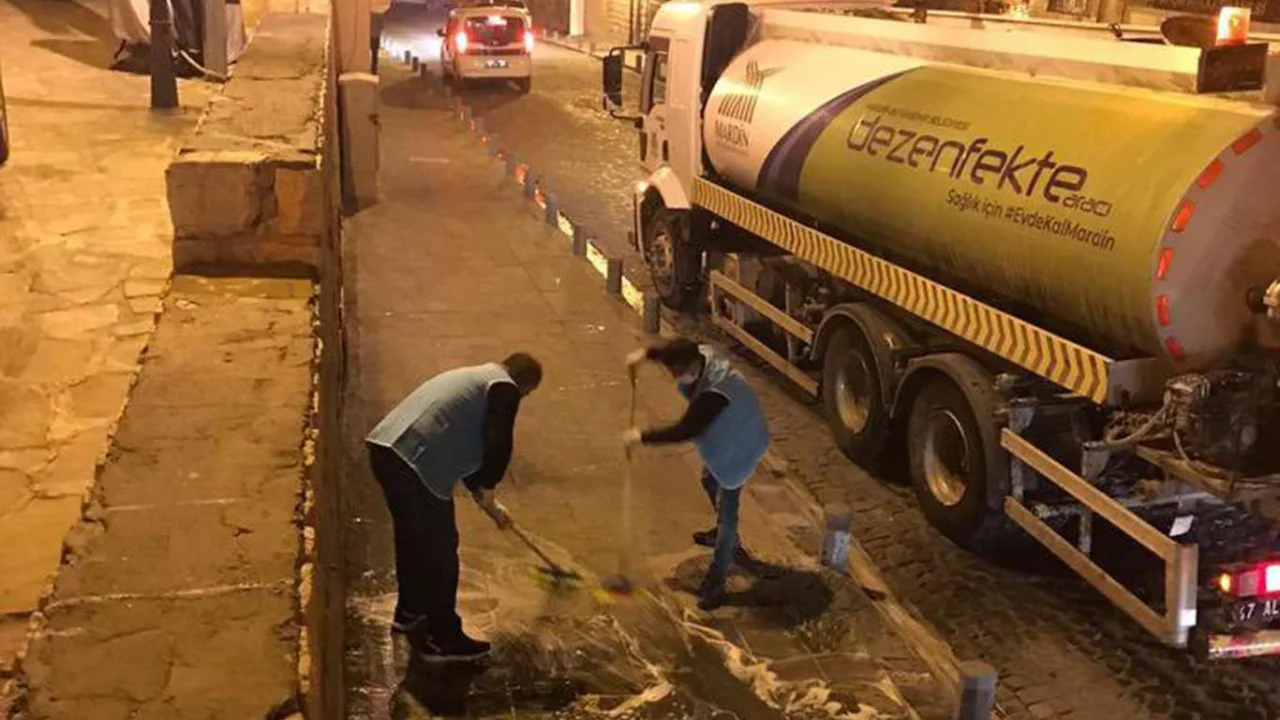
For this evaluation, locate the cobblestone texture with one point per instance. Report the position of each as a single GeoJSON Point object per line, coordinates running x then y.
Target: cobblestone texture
{"type": "Point", "coordinates": [84, 259]}
{"type": "Point", "coordinates": [1061, 650]}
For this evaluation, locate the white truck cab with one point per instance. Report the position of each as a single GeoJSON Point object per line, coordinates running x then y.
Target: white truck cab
{"type": "Point", "coordinates": [670, 124]}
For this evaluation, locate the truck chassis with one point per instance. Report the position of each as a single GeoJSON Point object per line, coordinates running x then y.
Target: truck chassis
{"type": "Point", "coordinates": [979, 397]}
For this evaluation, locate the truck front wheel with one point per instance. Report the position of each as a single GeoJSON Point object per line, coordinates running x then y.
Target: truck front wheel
{"type": "Point", "coordinates": [852, 397]}
{"type": "Point", "coordinates": [673, 262]}
{"type": "Point", "coordinates": [950, 455]}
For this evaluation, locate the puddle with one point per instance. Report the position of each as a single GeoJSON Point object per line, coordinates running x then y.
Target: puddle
{"type": "Point", "coordinates": [561, 654]}
{"type": "Point", "coordinates": [643, 661]}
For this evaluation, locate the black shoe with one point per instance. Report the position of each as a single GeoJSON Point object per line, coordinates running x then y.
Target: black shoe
{"type": "Point", "coordinates": [706, 538]}
{"type": "Point", "coordinates": [457, 649]}
{"type": "Point", "coordinates": [406, 622]}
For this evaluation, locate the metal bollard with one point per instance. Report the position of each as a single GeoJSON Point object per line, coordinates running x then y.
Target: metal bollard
{"type": "Point", "coordinates": [414, 64]}
{"type": "Point", "coordinates": [466, 113]}
{"type": "Point", "coordinates": [478, 127]}
{"type": "Point", "coordinates": [579, 240]}
{"type": "Point", "coordinates": [530, 185]}
{"type": "Point", "coordinates": [835, 541]}
{"type": "Point", "coordinates": [494, 146]}
{"type": "Point", "coordinates": [407, 57]}
{"type": "Point", "coordinates": [977, 691]}
{"type": "Point", "coordinates": [551, 213]}
{"type": "Point", "coordinates": [423, 72]}
{"type": "Point", "coordinates": [613, 276]}
{"type": "Point", "coordinates": [652, 314]}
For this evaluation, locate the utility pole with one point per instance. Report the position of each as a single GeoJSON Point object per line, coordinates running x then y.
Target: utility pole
{"type": "Point", "coordinates": [164, 83]}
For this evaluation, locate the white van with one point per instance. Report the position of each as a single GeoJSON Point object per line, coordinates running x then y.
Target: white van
{"type": "Point", "coordinates": [488, 42]}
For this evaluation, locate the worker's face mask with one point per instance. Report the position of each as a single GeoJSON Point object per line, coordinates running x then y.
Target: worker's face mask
{"type": "Point", "coordinates": [688, 377]}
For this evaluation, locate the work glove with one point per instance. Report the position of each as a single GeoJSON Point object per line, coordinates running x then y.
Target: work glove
{"type": "Point", "coordinates": [631, 439]}
{"type": "Point", "coordinates": [494, 509]}
{"type": "Point", "coordinates": [635, 358]}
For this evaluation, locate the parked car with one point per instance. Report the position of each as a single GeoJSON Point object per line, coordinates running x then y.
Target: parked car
{"type": "Point", "coordinates": [488, 42]}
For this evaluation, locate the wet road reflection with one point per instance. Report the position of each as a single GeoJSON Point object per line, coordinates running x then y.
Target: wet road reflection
{"type": "Point", "coordinates": [572, 653]}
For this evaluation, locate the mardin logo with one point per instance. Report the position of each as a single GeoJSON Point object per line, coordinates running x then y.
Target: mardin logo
{"type": "Point", "coordinates": [741, 106]}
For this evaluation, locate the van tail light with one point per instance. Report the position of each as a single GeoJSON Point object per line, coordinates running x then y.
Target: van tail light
{"type": "Point", "coordinates": [461, 41]}
{"type": "Point", "coordinates": [528, 40]}
{"type": "Point", "coordinates": [1233, 25]}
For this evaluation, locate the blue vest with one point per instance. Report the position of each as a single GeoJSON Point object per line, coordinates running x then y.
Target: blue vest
{"type": "Point", "coordinates": [737, 439]}
{"type": "Point", "coordinates": [439, 429]}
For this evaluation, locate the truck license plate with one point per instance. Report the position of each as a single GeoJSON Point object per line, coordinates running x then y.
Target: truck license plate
{"type": "Point", "coordinates": [1256, 611]}
{"type": "Point", "coordinates": [495, 64]}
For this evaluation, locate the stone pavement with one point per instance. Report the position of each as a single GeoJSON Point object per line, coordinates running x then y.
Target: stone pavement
{"type": "Point", "coordinates": [452, 268]}
{"type": "Point", "coordinates": [178, 597]}
{"type": "Point", "coordinates": [84, 259]}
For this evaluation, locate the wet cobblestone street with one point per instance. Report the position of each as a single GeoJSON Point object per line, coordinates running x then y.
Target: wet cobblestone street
{"type": "Point", "coordinates": [1061, 650]}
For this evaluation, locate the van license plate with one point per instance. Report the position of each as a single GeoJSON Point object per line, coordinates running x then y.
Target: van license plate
{"type": "Point", "coordinates": [495, 64]}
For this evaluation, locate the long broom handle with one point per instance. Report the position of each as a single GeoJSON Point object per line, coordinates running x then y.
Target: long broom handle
{"type": "Point", "coordinates": [552, 564]}
{"type": "Point", "coordinates": [628, 538]}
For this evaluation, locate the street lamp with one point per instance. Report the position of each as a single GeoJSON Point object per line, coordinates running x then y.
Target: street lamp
{"type": "Point", "coordinates": [164, 82]}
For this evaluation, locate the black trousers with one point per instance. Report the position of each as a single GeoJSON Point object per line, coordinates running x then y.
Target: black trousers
{"type": "Point", "coordinates": [426, 541]}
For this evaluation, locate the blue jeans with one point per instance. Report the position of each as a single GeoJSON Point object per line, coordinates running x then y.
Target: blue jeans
{"type": "Point", "coordinates": [725, 503]}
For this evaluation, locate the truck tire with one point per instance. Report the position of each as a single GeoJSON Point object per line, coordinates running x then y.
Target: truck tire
{"type": "Point", "coordinates": [673, 262]}
{"type": "Point", "coordinates": [951, 458]}
{"type": "Point", "coordinates": [853, 398]}
{"type": "Point", "coordinates": [524, 85]}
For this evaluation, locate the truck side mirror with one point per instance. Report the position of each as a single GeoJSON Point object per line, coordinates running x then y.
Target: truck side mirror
{"type": "Point", "coordinates": [611, 80]}
{"type": "Point", "coordinates": [439, 32]}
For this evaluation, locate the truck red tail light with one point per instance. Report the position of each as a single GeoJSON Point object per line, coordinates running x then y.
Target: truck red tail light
{"type": "Point", "coordinates": [1252, 581]}
{"type": "Point", "coordinates": [461, 41]}
{"type": "Point", "coordinates": [1271, 578]}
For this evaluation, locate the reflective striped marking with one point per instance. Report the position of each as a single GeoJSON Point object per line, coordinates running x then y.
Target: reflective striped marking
{"type": "Point", "coordinates": [1056, 359]}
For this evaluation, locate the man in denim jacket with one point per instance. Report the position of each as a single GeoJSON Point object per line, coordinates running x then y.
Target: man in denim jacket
{"type": "Point", "coordinates": [726, 424]}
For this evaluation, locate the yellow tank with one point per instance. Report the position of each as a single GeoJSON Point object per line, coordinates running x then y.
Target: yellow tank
{"type": "Point", "coordinates": [1133, 221]}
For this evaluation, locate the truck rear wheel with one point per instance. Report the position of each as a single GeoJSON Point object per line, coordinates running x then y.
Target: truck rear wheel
{"type": "Point", "coordinates": [673, 262]}
{"type": "Point", "coordinates": [852, 397]}
{"type": "Point", "coordinates": [951, 456]}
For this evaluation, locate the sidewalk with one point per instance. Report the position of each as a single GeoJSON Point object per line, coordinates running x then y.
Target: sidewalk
{"type": "Point", "coordinates": [178, 597]}
{"type": "Point", "coordinates": [84, 259]}
{"type": "Point", "coordinates": [454, 268]}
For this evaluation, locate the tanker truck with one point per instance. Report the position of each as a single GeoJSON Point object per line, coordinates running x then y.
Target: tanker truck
{"type": "Point", "coordinates": [1038, 275]}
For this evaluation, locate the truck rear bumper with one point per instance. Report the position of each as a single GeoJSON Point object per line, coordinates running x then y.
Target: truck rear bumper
{"type": "Point", "coordinates": [1244, 645]}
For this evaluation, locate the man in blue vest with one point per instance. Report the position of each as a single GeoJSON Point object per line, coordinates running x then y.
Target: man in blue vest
{"type": "Point", "coordinates": [456, 426]}
{"type": "Point", "coordinates": [725, 422]}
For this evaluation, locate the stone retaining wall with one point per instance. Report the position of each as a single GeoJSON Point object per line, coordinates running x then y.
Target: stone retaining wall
{"type": "Point", "coordinates": [247, 192]}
